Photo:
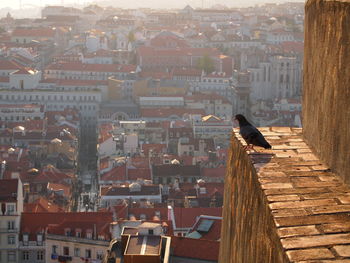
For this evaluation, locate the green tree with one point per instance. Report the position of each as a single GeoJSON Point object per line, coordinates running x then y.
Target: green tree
{"type": "Point", "coordinates": [131, 37]}
{"type": "Point", "coordinates": [206, 63]}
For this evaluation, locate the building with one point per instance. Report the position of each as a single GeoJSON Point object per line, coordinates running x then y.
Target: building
{"type": "Point", "coordinates": [280, 77]}
{"type": "Point", "coordinates": [21, 112]}
{"type": "Point", "coordinates": [137, 192]}
{"type": "Point", "coordinates": [77, 240]}
{"type": "Point", "coordinates": [11, 198]}
{"type": "Point", "coordinates": [87, 71]}
{"type": "Point", "coordinates": [212, 127]}
{"type": "Point", "coordinates": [143, 243]}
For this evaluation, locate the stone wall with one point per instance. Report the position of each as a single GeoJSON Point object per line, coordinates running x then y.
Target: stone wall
{"type": "Point", "coordinates": [248, 233]}
{"type": "Point", "coordinates": [283, 205]}
{"type": "Point", "coordinates": [326, 98]}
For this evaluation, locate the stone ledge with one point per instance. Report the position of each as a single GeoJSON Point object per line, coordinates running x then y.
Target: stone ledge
{"type": "Point", "coordinates": [309, 204]}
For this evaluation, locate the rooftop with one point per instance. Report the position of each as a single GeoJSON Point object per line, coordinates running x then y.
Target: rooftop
{"type": "Point", "coordinates": [144, 245]}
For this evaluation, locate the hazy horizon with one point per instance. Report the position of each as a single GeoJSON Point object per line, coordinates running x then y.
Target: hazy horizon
{"type": "Point", "coordinates": [25, 4]}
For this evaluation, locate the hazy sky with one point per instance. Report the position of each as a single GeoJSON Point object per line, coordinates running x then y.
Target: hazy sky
{"type": "Point", "coordinates": [15, 4]}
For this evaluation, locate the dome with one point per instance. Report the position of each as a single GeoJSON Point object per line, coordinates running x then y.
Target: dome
{"type": "Point", "coordinates": [19, 128]}
{"type": "Point", "coordinates": [175, 161]}
{"type": "Point", "coordinates": [11, 150]}
{"type": "Point", "coordinates": [56, 141]}
{"type": "Point", "coordinates": [33, 171]}
{"type": "Point", "coordinates": [135, 187]}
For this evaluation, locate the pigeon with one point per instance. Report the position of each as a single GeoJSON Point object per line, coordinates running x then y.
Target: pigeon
{"type": "Point", "coordinates": [250, 134]}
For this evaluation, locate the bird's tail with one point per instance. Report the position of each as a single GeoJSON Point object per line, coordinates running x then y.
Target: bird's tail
{"type": "Point", "coordinates": [267, 146]}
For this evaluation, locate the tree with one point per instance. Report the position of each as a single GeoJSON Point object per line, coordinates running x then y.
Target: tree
{"type": "Point", "coordinates": [206, 63]}
{"type": "Point", "coordinates": [131, 37]}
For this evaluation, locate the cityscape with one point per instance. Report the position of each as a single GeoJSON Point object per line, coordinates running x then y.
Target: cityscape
{"type": "Point", "coordinates": [116, 125]}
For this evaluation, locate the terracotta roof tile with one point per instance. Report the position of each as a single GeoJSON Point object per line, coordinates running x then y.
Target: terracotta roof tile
{"type": "Point", "coordinates": [8, 190]}
{"type": "Point", "coordinates": [186, 217]}
{"type": "Point", "coordinates": [34, 32]}
{"type": "Point", "coordinates": [195, 248]}
{"type": "Point", "coordinates": [77, 66]}
{"type": "Point", "coordinates": [139, 173]}
{"type": "Point", "coordinates": [168, 112]}
{"type": "Point", "coordinates": [34, 222]}
{"type": "Point", "coordinates": [117, 174]}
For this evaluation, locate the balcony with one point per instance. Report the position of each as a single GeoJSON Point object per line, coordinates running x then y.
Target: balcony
{"type": "Point", "coordinates": [31, 244]}
{"type": "Point", "coordinates": [7, 230]}
{"type": "Point", "coordinates": [63, 258]}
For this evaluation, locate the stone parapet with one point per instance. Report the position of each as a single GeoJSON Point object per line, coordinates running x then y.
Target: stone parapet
{"type": "Point", "coordinates": [284, 204]}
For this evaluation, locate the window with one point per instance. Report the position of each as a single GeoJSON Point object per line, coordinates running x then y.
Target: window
{"type": "Point", "coordinates": [40, 255]}
{"type": "Point", "coordinates": [150, 231]}
{"type": "Point", "coordinates": [25, 255]}
{"type": "Point", "coordinates": [11, 240]}
{"type": "Point", "coordinates": [11, 256]}
{"type": "Point", "coordinates": [99, 255]}
{"type": "Point", "coordinates": [89, 235]}
{"type": "Point", "coordinates": [67, 232]}
{"type": "Point", "coordinates": [77, 252]}
{"type": "Point", "coordinates": [11, 225]}
{"type": "Point", "coordinates": [10, 209]}
{"type": "Point", "coordinates": [25, 239]}
{"type": "Point", "coordinates": [88, 253]}
{"type": "Point", "coordinates": [66, 251]}
{"type": "Point", "coordinates": [54, 249]}
{"type": "Point", "coordinates": [39, 238]}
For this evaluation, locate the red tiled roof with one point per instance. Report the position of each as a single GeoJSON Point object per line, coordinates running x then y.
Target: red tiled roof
{"type": "Point", "coordinates": [24, 71]}
{"type": "Point", "coordinates": [9, 65]}
{"type": "Point", "coordinates": [48, 174]}
{"type": "Point", "coordinates": [149, 212]}
{"type": "Point", "coordinates": [34, 32]}
{"type": "Point", "coordinates": [144, 51]}
{"type": "Point", "coordinates": [42, 205]}
{"type": "Point", "coordinates": [32, 223]}
{"type": "Point", "coordinates": [214, 232]}
{"type": "Point", "coordinates": [186, 217]}
{"type": "Point", "coordinates": [117, 173]}
{"type": "Point", "coordinates": [218, 172]}
{"type": "Point", "coordinates": [195, 248]}
{"type": "Point", "coordinates": [156, 148]}
{"type": "Point", "coordinates": [8, 190]}
{"type": "Point", "coordinates": [168, 112]}
{"type": "Point", "coordinates": [77, 66]}
{"type": "Point", "coordinates": [176, 170]}
{"type": "Point", "coordinates": [29, 125]}
{"type": "Point", "coordinates": [155, 75]}
{"type": "Point", "coordinates": [187, 72]}
{"type": "Point", "coordinates": [84, 226]}
{"type": "Point", "coordinates": [125, 190]}
{"type": "Point", "coordinates": [104, 163]}
{"type": "Point", "coordinates": [35, 136]}
{"type": "Point", "coordinates": [210, 97]}
{"type": "Point", "coordinates": [139, 162]}
{"type": "Point", "coordinates": [139, 173]}
{"type": "Point", "coordinates": [76, 82]}
{"type": "Point", "coordinates": [105, 132]}
{"type": "Point", "coordinates": [99, 53]}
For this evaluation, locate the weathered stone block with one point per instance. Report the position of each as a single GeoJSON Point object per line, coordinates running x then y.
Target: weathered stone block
{"type": "Point", "coordinates": [314, 253]}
